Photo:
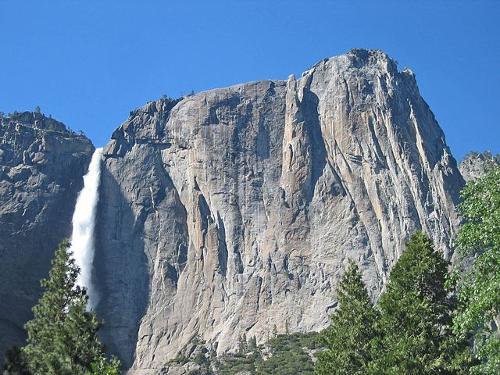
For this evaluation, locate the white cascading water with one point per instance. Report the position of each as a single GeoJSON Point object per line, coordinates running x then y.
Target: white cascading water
{"type": "Point", "coordinates": [82, 238]}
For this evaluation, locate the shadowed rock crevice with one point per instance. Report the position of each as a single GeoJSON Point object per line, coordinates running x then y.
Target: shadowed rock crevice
{"type": "Point", "coordinates": [309, 106]}
{"type": "Point", "coordinates": [222, 248]}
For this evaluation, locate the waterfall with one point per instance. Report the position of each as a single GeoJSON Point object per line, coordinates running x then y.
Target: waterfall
{"type": "Point", "coordinates": [82, 238]}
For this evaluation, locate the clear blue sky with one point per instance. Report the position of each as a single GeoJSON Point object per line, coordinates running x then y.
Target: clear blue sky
{"type": "Point", "coordinates": [88, 63]}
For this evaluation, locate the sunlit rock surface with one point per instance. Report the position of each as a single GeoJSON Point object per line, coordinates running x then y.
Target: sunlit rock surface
{"type": "Point", "coordinates": [477, 164]}
{"type": "Point", "coordinates": [235, 210]}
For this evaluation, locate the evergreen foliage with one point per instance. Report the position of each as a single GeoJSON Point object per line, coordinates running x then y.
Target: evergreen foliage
{"type": "Point", "coordinates": [289, 355]}
{"type": "Point", "coordinates": [15, 362]}
{"type": "Point", "coordinates": [352, 333]}
{"type": "Point", "coordinates": [282, 355]}
{"type": "Point", "coordinates": [416, 315]}
{"type": "Point", "coordinates": [103, 366]}
{"type": "Point", "coordinates": [62, 336]}
{"type": "Point", "coordinates": [479, 288]}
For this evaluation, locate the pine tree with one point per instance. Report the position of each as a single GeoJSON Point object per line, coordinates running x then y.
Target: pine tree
{"type": "Point", "coordinates": [15, 362]}
{"type": "Point", "coordinates": [479, 288]}
{"type": "Point", "coordinates": [351, 334]}
{"type": "Point", "coordinates": [416, 315]}
{"type": "Point", "coordinates": [62, 337]}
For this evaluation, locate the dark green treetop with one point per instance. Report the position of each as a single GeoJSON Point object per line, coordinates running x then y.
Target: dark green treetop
{"type": "Point", "coordinates": [62, 336]}
{"type": "Point", "coordinates": [350, 336]}
{"type": "Point", "coordinates": [416, 315]}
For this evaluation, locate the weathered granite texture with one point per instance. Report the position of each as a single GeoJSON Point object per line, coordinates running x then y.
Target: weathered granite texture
{"type": "Point", "coordinates": [41, 169]}
{"type": "Point", "coordinates": [477, 164]}
{"type": "Point", "coordinates": [235, 210]}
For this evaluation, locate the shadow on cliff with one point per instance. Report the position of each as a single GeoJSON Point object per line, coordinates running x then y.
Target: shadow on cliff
{"type": "Point", "coordinates": [310, 113]}
{"type": "Point", "coordinates": [121, 270]}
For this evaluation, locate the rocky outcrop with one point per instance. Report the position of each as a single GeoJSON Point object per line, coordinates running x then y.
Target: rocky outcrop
{"type": "Point", "coordinates": [235, 210]}
{"type": "Point", "coordinates": [41, 169]}
{"type": "Point", "coordinates": [477, 164]}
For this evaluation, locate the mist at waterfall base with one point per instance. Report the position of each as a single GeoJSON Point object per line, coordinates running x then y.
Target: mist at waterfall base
{"type": "Point", "coordinates": [82, 237]}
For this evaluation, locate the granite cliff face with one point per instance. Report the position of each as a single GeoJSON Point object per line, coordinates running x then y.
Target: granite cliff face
{"type": "Point", "coordinates": [41, 169]}
{"type": "Point", "coordinates": [233, 211]}
{"type": "Point", "coordinates": [477, 164]}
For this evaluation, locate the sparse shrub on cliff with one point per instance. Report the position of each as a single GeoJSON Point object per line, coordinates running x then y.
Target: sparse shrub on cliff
{"type": "Point", "coordinates": [287, 354]}
{"type": "Point", "coordinates": [103, 366]}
